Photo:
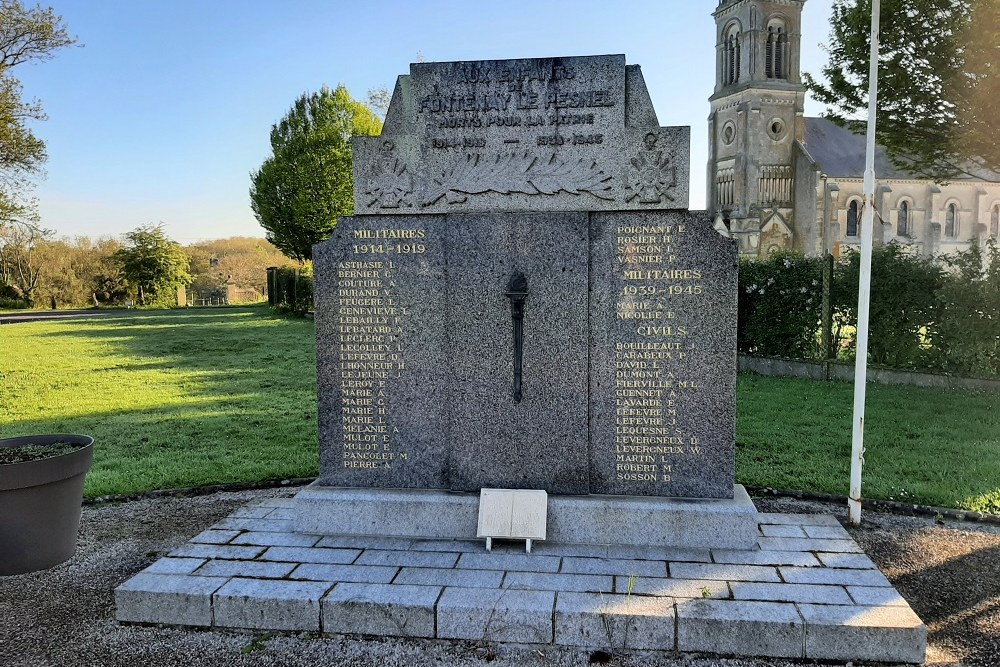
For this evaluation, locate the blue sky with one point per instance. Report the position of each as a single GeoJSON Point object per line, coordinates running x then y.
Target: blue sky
{"type": "Point", "coordinates": [165, 110]}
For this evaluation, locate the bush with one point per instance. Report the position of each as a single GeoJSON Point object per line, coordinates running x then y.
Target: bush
{"type": "Point", "coordinates": [780, 305]}
{"type": "Point", "coordinates": [903, 309]}
{"type": "Point", "coordinates": [290, 289]}
{"type": "Point", "coordinates": [967, 338]}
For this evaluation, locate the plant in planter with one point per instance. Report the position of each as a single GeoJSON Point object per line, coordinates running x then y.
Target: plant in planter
{"type": "Point", "coordinates": [41, 491]}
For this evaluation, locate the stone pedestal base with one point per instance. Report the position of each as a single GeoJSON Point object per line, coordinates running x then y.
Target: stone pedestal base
{"type": "Point", "coordinates": [620, 520]}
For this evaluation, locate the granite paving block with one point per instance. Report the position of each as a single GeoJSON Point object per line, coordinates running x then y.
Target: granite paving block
{"type": "Point", "coordinates": [277, 502]}
{"type": "Point", "coordinates": [677, 588]}
{"type": "Point", "coordinates": [362, 574]}
{"type": "Point", "coordinates": [782, 530]}
{"type": "Point", "coordinates": [311, 555]}
{"type": "Point", "coordinates": [214, 536]}
{"type": "Point", "coordinates": [771, 629]}
{"type": "Point", "coordinates": [547, 581]}
{"type": "Point", "coordinates": [799, 519]}
{"type": "Point", "coordinates": [639, 568]}
{"type": "Point", "coordinates": [846, 561]}
{"type": "Point", "coordinates": [282, 513]}
{"type": "Point", "coordinates": [269, 605]}
{"type": "Point", "coordinates": [455, 546]}
{"type": "Point", "coordinates": [758, 557]}
{"type": "Point", "coordinates": [518, 562]}
{"type": "Point", "coordinates": [407, 558]}
{"type": "Point", "coordinates": [886, 634]}
{"type": "Point", "coordinates": [825, 575]}
{"type": "Point", "coordinates": [876, 596]}
{"type": "Point", "coordinates": [175, 565]}
{"type": "Point", "coordinates": [260, 525]}
{"type": "Point", "coordinates": [617, 622]}
{"type": "Point", "coordinates": [502, 615]}
{"type": "Point", "coordinates": [724, 572]}
{"type": "Point", "coordinates": [432, 576]}
{"type": "Point", "coordinates": [392, 610]}
{"type": "Point", "coordinates": [659, 553]}
{"type": "Point", "coordinates": [174, 599]}
{"type": "Point", "coordinates": [216, 551]}
{"type": "Point", "coordinates": [791, 593]}
{"type": "Point", "coordinates": [252, 512]}
{"type": "Point", "coordinates": [365, 542]}
{"type": "Point", "coordinates": [275, 539]}
{"type": "Point", "coordinates": [827, 532]}
{"type": "Point", "coordinates": [245, 568]}
{"type": "Point", "coordinates": [573, 550]}
{"type": "Point", "coordinates": [808, 544]}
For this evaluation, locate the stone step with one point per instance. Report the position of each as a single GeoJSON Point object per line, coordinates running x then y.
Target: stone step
{"type": "Point", "coordinates": [827, 602]}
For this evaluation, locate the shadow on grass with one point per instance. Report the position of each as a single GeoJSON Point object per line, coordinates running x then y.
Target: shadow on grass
{"type": "Point", "coordinates": [186, 398]}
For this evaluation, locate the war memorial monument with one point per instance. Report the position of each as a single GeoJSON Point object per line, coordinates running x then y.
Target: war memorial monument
{"type": "Point", "coordinates": [523, 320]}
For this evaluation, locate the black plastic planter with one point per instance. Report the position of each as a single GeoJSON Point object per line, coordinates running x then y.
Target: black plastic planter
{"type": "Point", "coordinates": [40, 504]}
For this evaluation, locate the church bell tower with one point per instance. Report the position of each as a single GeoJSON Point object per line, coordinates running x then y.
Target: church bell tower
{"type": "Point", "coordinates": [756, 122]}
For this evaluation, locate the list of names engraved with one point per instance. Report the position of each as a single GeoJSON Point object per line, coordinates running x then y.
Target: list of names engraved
{"type": "Point", "coordinates": [370, 335]}
{"type": "Point", "coordinates": [650, 378]}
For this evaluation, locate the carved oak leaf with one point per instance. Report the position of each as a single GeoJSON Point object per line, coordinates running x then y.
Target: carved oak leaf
{"type": "Point", "coordinates": [514, 173]}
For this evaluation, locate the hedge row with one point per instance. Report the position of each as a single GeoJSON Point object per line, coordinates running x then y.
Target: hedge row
{"type": "Point", "coordinates": [939, 314]}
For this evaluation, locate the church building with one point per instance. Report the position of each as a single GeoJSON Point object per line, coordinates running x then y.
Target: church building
{"type": "Point", "coordinates": [780, 181]}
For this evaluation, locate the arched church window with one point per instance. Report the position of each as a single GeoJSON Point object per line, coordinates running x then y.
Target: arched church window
{"type": "Point", "coordinates": [903, 219]}
{"type": "Point", "coordinates": [951, 221]}
{"type": "Point", "coordinates": [995, 221]}
{"type": "Point", "coordinates": [776, 52]}
{"type": "Point", "coordinates": [852, 218]}
{"type": "Point", "coordinates": [731, 61]}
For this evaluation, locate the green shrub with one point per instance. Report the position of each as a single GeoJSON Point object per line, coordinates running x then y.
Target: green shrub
{"type": "Point", "coordinates": [967, 338]}
{"type": "Point", "coordinates": [292, 289]}
{"type": "Point", "coordinates": [903, 309]}
{"type": "Point", "coordinates": [780, 305]}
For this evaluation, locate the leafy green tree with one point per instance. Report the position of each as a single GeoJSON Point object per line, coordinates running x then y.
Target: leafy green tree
{"type": "Point", "coordinates": [20, 263]}
{"type": "Point", "coordinates": [26, 35]}
{"type": "Point", "coordinates": [939, 81]}
{"type": "Point", "coordinates": [152, 264]}
{"type": "Point", "coordinates": [307, 182]}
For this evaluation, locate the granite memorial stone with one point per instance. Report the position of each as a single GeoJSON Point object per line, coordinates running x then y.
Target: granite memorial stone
{"type": "Point", "coordinates": [522, 300]}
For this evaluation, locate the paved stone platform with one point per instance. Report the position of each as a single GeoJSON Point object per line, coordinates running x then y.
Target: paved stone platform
{"type": "Point", "coordinates": [807, 591]}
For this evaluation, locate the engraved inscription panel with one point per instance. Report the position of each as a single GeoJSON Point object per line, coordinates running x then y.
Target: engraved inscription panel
{"type": "Point", "coordinates": [380, 332]}
{"type": "Point", "coordinates": [521, 135]}
{"type": "Point", "coordinates": [663, 360]}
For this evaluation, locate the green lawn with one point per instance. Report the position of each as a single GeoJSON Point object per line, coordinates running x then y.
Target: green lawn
{"type": "Point", "coordinates": [189, 398]}
{"type": "Point", "coordinates": [173, 398]}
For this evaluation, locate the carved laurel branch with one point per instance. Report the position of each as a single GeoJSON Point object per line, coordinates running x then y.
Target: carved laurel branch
{"type": "Point", "coordinates": [512, 173]}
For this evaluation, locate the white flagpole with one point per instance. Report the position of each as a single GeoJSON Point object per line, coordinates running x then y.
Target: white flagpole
{"type": "Point", "coordinates": [865, 283]}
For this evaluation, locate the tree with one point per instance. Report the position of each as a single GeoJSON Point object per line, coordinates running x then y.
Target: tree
{"type": "Point", "coordinates": [300, 190]}
{"type": "Point", "coordinates": [939, 81]}
{"type": "Point", "coordinates": [20, 265]}
{"type": "Point", "coordinates": [26, 35]}
{"type": "Point", "coordinates": [152, 264]}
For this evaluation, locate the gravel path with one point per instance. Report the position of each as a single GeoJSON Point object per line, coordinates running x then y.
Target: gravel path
{"type": "Point", "coordinates": [64, 617]}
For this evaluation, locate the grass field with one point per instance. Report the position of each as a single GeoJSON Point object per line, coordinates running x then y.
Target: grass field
{"type": "Point", "coordinates": [172, 398]}
{"type": "Point", "coordinates": [190, 398]}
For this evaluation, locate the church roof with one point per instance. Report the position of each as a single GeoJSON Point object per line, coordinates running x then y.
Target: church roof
{"type": "Point", "coordinates": [840, 153]}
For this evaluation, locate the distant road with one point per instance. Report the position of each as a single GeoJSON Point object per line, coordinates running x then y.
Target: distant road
{"type": "Point", "coordinates": [41, 315]}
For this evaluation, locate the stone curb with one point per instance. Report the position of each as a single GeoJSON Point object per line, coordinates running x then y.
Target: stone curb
{"type": "Point", "coordinates": [887, 506]}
